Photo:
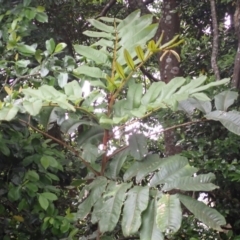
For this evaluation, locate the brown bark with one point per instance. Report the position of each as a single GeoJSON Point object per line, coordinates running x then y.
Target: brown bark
{"type": "Point", "coordinates": [236, 70]}
{"type": "Point", "coordinates": [169, 66]}
{"type": "Point", "coordinates": [215, 40]}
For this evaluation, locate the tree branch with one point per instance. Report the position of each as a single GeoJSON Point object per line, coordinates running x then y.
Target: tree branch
{"type": "Point", "coordinates": [149, 75]}
{"type": "Point", "coordinates": [70, 148]}
{"type": "Point", "coordinates": [215, 41]}
{"type": "Point", "coordinates": [106, 8]}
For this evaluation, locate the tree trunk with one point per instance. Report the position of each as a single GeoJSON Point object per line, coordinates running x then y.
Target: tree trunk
{"type": "Point", "coordinates": [169, 66]}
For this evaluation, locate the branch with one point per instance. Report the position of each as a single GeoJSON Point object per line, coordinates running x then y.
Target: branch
{"type": "Point", "coordinates": [22, 77]}
{"type": "Point", "coordinates": [149, 75]}
{"type": "Point", "coordinates": [71, 149]}
{"type": "Point", "coordinates": [106, 8]}
{"type": "Point", "coordinates": [215, 41]}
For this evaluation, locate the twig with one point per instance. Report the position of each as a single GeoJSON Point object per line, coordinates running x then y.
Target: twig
{"type": "Point", "coordinates": [22, 77]}
{"type": "Point", "coordinates": [148, 74]}
{"type": "Point", "coordinates": [71, 149]}
{"type": "Point", "coordinates": [215, 40]}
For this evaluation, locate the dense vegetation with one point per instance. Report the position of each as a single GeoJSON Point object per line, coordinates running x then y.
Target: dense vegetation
{"type": "Point", "coordinates": [95, 143]}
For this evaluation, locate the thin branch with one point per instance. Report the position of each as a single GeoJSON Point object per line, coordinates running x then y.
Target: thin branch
{"type": "Point", "coordinates": [215, 40]}
{"type": "Point", "coordinates": [149, 75]}
{"type": "Point", "coordinates": [106, 8]}
{"type": "Point", "coordinates": [23, 77]}
{"type": "Point", "coordinates": [71, 149]}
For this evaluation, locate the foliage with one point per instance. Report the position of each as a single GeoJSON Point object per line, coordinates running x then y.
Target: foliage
{"type": "Point", "coordinates": [120, 188]}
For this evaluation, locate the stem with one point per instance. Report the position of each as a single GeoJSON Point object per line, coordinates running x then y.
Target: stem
{"type": "Point", "coordinates": [71, 149]}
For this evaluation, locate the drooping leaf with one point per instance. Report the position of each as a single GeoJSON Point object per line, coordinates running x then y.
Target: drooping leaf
{"type": "Point", "coordinates": [172, 168]}
{"type": "Point", "coordinates": [136, 203]}
{"type": "Point", "coordinates": [199, 183]}
{"type": "Point", "coordinates": [209, 216]}
{"type": "Point", "coordinates": [149, 229]}
{"type": "Point", "coordinates": [112, 207]}
{"type": "Point", "coordinates": [230, 120]}
{"type": "Point", "coordinates": [96, 189]}
{"type": "Point", "coordinates": [169, 213]}
{"type": "Point", "coordinates": [138, 146]}
{"type": "Point", "coordinates": [225, 99]}
{"type": "Point", "coordinates": [116, 163]}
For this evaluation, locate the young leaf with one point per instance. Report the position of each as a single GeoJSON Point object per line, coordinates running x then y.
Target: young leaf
{"type": "Point", "coordinates": [149, 229]}
{"type": "Point", "coordinates": [140, 53]}
{"type": "Point", "coordinates": [205, 214]}
{"type": "Point", "coordinates": [60, 47]}
{"type": "Point", "coordinates": [169, 213]}
{"type": "Point", "coordinates": [136, 203]}
{"type": "Point", "coordinates": [128, 59]}
{"type": "Point", "coordinates": [120, 70]}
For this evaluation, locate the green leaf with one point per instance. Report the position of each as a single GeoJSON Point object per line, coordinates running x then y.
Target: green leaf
{"type": "Point", "coordinates": [116, 164]}
{"type": "Point", "coordinates": [134, 95]}
{"type": "Point", "coordinates": [210, 217]}
{"type": "Point", "coordinates": [49, 196]}
{"type": "Point", "coordinates": [90, 136]}
{"type": "Point", "coordinates": [171, 169]}
{"type": "Point", "coordinates": [198, 183]}
{"type": "Point", "coordinates": [33, 106]}
{"type": "Point", "coordinates": [32, 176]}
{"type": "Point", "coordinates": [136, 203]}
{"type": "Point", "coordinates": [169, 213]}
{"type": "Point", "coordinates": [98, 34]}
{"type": "Point", "coordinates": [153, 92]}
{"type": "Point", "coordinates": [22, 63]}
{"type": "Point", "coordinates": [132, 171]}
{"type": "Point", "coordinates": [73, 90]}
{"type": "Point", "coordinates": [138, 146]}
{"type": "Point", "coordinates": [193, 84]}
{"type": "Point", "coordinates": [230, 120]}
{"type": "Point", "coordinates": [98, 56]}
{"type": "Point", "coordinates": [101, 26]}
{"type": "Point", "coordinates": [225, 99]}
{"type": "Point", "coordinates": [140, 53]}
{"type": "Point", "coordinates": [212, 84]}
{"type": "Point", "coordinates": [97, 187]}
{"type": "Point", "coordinates": [32, 187]}
{"type": "Point", "coordinates": [119, 70]}
{"type": "Point", "coordinates": [50, 45]}
{"type": "Point", "coordinates": [62, 79]}
{"type": "Point", "coordinates": [201, 96]}
{"type": "Point", "coordinates": [14, 194]}
{"type": "Point", "coordinates": [7, 114]}
{"type": "Point", "coordinates": [23, 48]}
{"type": "Point", "coordinates": [149, 229]}
{"type": "Point", "coordinates": [26, 3]}
{"type": "Point", "coordinates": [128, 59]}
{"type": "Point", "coordinates": [42, 17]}
{"type": "Point", "coordinates": [64, 226]}
{"type": "Point", "coordinates": [70, 125]}
{"type": "Point", "coordinates": [44, 203]}
{"type": "Point", "coordinates": [90, 71]}
{"type": "Point", "coordinates": [149, 164]}
{"type": "Point", "coordinates": [60, 47]}
{"type": "Point", "coordinates": [111, 210]}
{"type": "Point", "coordinates": [45, 161]}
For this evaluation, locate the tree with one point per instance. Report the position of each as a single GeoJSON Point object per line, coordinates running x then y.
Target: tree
{"type": "Point", "coordinates": [112, 170]}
